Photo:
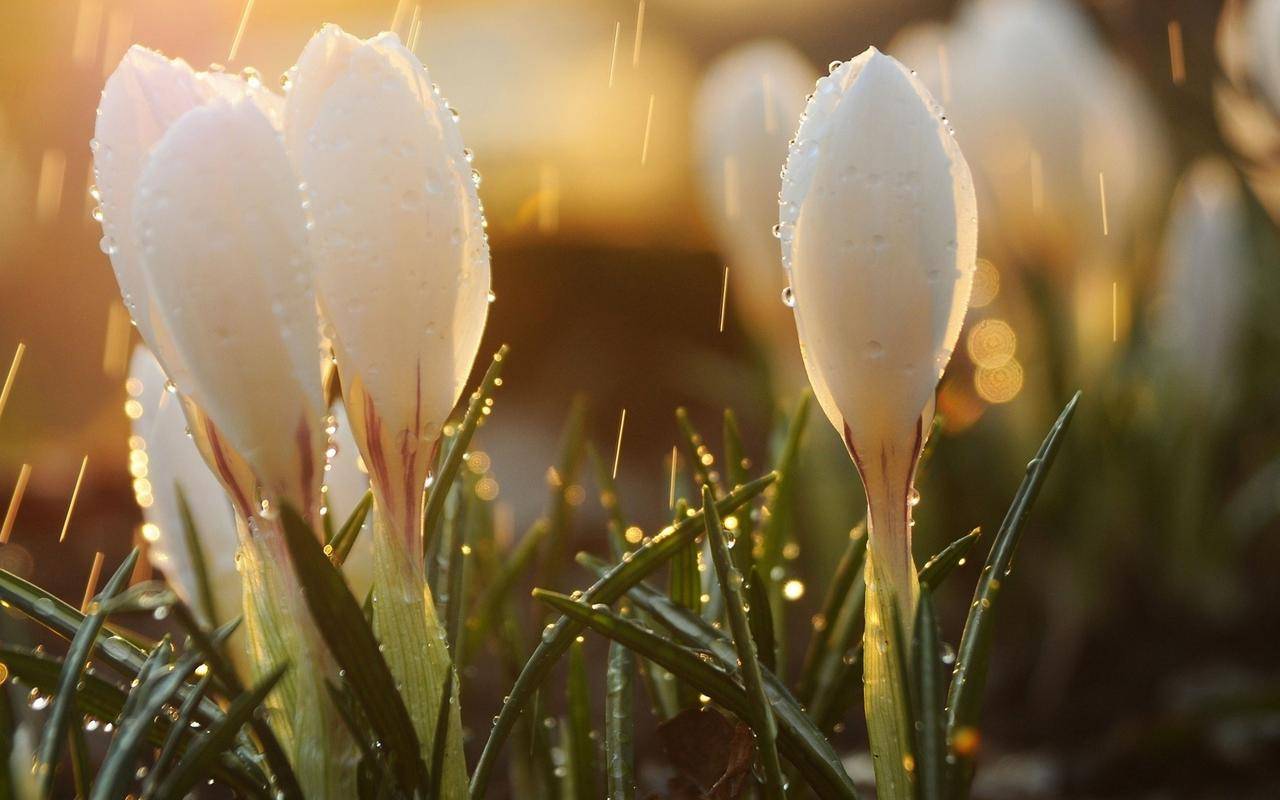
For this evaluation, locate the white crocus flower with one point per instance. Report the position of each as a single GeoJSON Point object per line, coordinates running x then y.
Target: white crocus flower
{"type": "Point", "coordinates": [203, 219]}
{"type": "Point", "coordinates": [402, 277]}
{"type": "Point", "coordinates": [1248, 101]}
{"type": "Point", "coordinates": [743, 118]}
{"type": "Point", "coordinates": [1042, 109]}
{"type": "Point", "coordinates": [878, 223]}
{"type": "Point", "coordinates": [1204, 285]}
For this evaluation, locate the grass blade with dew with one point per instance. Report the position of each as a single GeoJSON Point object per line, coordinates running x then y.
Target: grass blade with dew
{"type": "Point", "coordinates": [207, 605]}
{"type": "Point", "coordinates": [477, 408]}
{"type": "Point", "coordinates": [441, 740]}
{"type": "Point", "coordinates": [696, 633]}
{"type": "Point", "coordinates": [557, 636]}
{"type": "Point", "coordinates": [182, 723]}
{"type": "Point", "coordinates": [848, 572]}
{"type": "Point", "coordinates": [195, 762]}
{"type": "Point", "coordinates": [609, 501]}
{"type": "Point", "coordinates": [969, 677]}
{"type": "Point", "coordinates": [73, 666]}
{"type": "Point", "coordinates": [936, 569]}
{"type": "Point", "coordinates": [731, 585]}
{"type": "Point", "coordinates": [777, 522]}
{"type": "Point", "coordinates": [579, 700]}
{"type": "Point", "coordinates": [222, 671]}
{"type": "Point", "coordinates": [146, 702]}
{"type": "Point", "coordinates": [803, 747]}
{"type": "Point", "coordinates": [81, 767]}
{"type": "Point", "coordinates": [619, 721]}
{"type": "Point", "coordinates": [735, 468]}
{"type": "Point", "coordinates": [684, 587]}
{"type": "Point", "coordinates": [340, 544]}
{"type": "Point", "coordinates": [928, 690]}
{"type": "Point", "coordinates": [351, 640]}
{"type": "Point", "coordinates": [498, 594]}
{"type": "Point", "coordinates": [452, 561]}
{"type": "Point", "coordinates": [760, 617]}
{"type": "Point", "coordinates": [700, 458]}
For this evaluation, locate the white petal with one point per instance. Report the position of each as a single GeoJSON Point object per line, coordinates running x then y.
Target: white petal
{"type": "Point", "coordinates": [173, 462]}
{"type": "Point", "coordinates": [883, 246]}
{"type": "Point", "coordinates": [401, 257]}
{"type": "Point", "coordinates": [744, 115]}
{"type": "Point", "coordinates": [145, 95]}
{"type": "Point", "coordinates": [223, 245]}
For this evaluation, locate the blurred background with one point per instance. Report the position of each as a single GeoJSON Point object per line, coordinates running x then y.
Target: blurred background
{"type": "Point", "coordinates": [1127, 158]}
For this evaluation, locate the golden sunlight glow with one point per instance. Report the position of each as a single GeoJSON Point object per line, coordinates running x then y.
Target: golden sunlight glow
{"type": "Point", "coordinates": [992, 343]}
{"type": "Point", "coordinates": [1001, 384]}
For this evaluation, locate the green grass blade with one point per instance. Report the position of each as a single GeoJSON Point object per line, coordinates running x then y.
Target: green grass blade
{"type": "Point", "coordinates": [169, 751]}
{"type": "Point", "coordinates": [221, 669]}
{"type": "Point", "coordinates": [557, 636]}
{"type": "Point", "coordinates": [200, 756]}
{"type": "Point", "coordinates": [477, 409]}
{"type": "Point", "coordinates": [340, 544]}
{"type": "Point", "coordinates": [113, 648]}
{"type": "Point", "coordinates": [760, 617]}
{"type": "Point", "coordinates": [496, 597]}
{"type": "Point", "coordinates": [208, 606]}
{"type": "Point", "coordinates": [778, 522]}
{"type": "Point", "coordinates": [928, 684]}
{"type": "Point", "coordinates": [619, 722]}
{"type": "Point", "coordinates": [584, 750]}
{"type": "Point", "coordinates": [700, 458]}
{"type": "Point", "coordinates": [453, 562]}
{"type": "Point", "coordinates": [64, 703]}
{"type": "Point", "coordinates": [146, 701]}
{"type": "Point", "coordinates": [559, 480]}
{"type": "Point", "coordinates": [341, 623]}
{"type": "Point", "coordinates": [441, 740]}
{"type": "Point", "coordinates": [731, 584]}
{"type": "Point", "coordinates": [735, 467]}
{"type": "Point", "coordinates": [936, 569]}
{"type": "Point", "coordinates": [848, 571]}
{"type": "Point", "coordinates": [81, 768]}
{"type": "Point", "coordinates": [969, 678]}
{"type": "Point", "coordinates": [803, 747]}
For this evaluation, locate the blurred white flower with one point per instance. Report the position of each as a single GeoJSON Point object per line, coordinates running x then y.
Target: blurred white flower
{"type": "Point", "coordinates": [201, 216]}
{"type": "Point", "coordinates": [1205, 279]}
{"type": "Point", "coordinates": [1248, 101]}
{"type": "Point", "coordinates": [401, 256]}
{"type": "Point", "coordinates": [743, 118]}
{"type": "Point", "coordinates": [878, 224]}
{"type": "Point", "coordinates": [1042, 109]}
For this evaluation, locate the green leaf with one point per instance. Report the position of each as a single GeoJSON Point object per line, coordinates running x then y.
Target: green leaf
{"type": "Point", "coordinates": [199, 563]}
{"type": "Point", "coordinates": [798, 740]}
{"type": "Point", "coordinates": [778, 522]}
{"type": "Point", "coordinates": [970, 675]}
{"type": "Point", "coordinates": [81, 768]}
{"type": "Point", "coordinates": [453, 564]}
{"type": "Point", "coordinates": [619, 722]}
{"type": "Point", "coordinates": [617, 525]}
{"type": "Point", "coordinates": [820, 653]}
{"type": "Point", "coordinates": [559, 479]}
{"type": "Point", "coordinates": [200, 756]}
{"type": "Point", "coordinates": [735, 466]}
{"type": "Point", "coordinates": [584, 751]}
{"type": "Point", "coordinates": [928, 685]}
{"type": "Point", "coordinates": [496, 596]}
{"type": "Point", "coordinates": [443, 482]}
{"type": "Point", "coordinates": [339, 546]}
{"type": "Point", "coordinates": [936, 569]}
{"type": "Point", "coordinates": [731, 580]}
{"type": "Point", "coordinates": [64, 703]}
{"type": "Point", "coordinates": [343, 627]}
{"type": "Point", "coordinates": [760, 617]}
{"type": "Point", "coordinates": [695, 450]}
{"type": "Point", "coordinates": [557, 636]}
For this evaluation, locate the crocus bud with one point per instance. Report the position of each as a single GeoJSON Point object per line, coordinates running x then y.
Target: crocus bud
{"type": "Point", "coordinates": [401, 256]}
{"type": "Point", "coordinates": [744, 116]}
{"type": "Point", "coordinates": [1042, 109]}
{"type": "Point", "coordinates": [202, 218]}
{"type": "Point", "coordinates": [1206, 263]}
{"type": "Point", "coordinates": [878, 224]}
{"type": "Point", "coordinates": [402, 278]}
{"type": "Point", "coordinates": [1248, 101]}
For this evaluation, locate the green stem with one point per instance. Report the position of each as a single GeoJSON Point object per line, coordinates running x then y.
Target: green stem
{"type": "Point", "coordinates": [405, 621]}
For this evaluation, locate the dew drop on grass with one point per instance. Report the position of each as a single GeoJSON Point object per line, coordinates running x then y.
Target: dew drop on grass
{"type": "Point", "coordinates": [788, 298]}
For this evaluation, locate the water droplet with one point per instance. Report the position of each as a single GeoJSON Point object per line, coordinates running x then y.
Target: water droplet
{"type": "Point", "coordinates": [788, 298]}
